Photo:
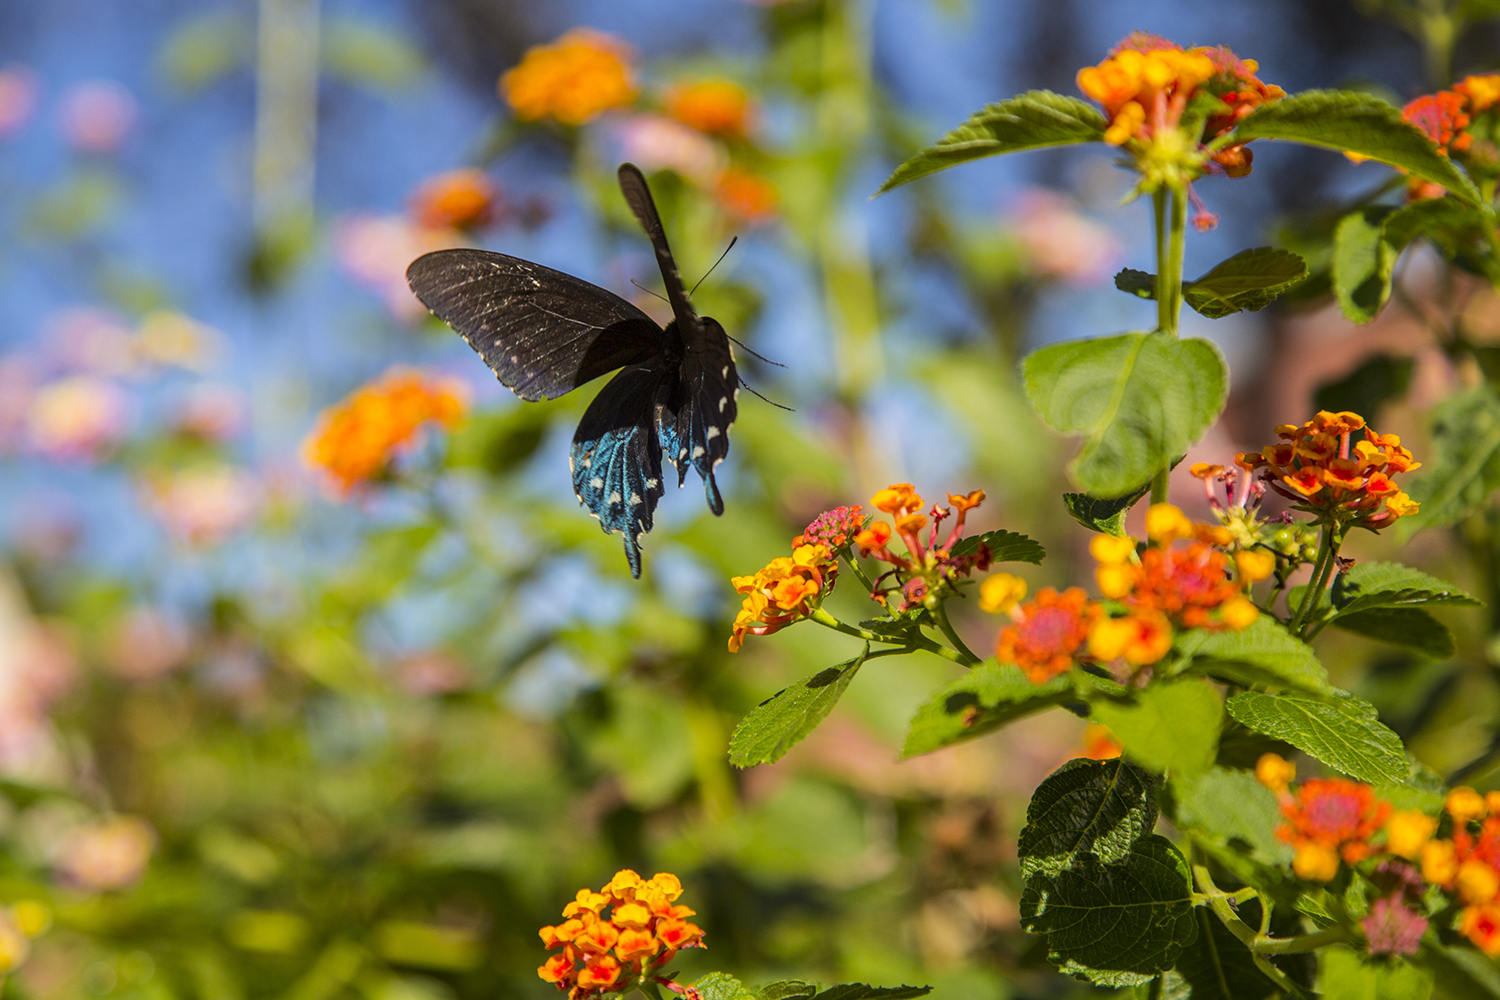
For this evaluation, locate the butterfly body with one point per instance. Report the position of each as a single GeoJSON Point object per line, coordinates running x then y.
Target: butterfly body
{"type": "Point", "coordinates": [544, 333]}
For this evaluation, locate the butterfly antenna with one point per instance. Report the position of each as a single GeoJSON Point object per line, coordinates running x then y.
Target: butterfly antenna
{"type": "Point", "coordinates": [763, 399]}
{"type": "Point", "coordinates": [747, 350]}
{"type": "Point", "coordinates": [664, 299]}
{"type": "Point", "coordinates": [730, 247]}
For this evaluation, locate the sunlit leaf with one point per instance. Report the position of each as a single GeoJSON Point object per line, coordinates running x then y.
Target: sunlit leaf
{"type": "Point", "coordinates": [1345, 733]}
{"type": "Point", "coordinates": [1168, 726]}
{"type": "Point", "coordinates": [1094, 807]}
{"type": "Point", "coordinates": [783, 720]}
{"type": "Point", "coordinates": [981, 701]}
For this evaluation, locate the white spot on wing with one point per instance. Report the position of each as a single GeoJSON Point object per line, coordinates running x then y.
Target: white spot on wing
{"type": "Point", "coordinates": [723, 402]}
{"type": "Point", "coordinates": [697, 451]}
{"type": "Point", "coordinates": [614, 498]}
{"type": "Point", "coordinates": [711, 433]}
{"type": "Point", "coordinates": [725, 372]}
{"type": "Point", "coordinates": [597, 483]}
{"type": "Point", "coordinates": [635, 499]}
{"type": "Point", "coordinates": [652, 484]}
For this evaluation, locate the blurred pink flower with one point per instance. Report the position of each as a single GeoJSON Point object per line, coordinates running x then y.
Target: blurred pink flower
{"type": "Point", "coordinates": [38, 664]}
{"type": "Point", "coordinates": [374, 250]}
{"type": "Point", "coordinates": [1061, 242]}
{"type": "Point", "coordinates": [170, 338]}
{"type": "Point", "coordinates": [77, 418]}
{"type": "Point", "coordinates": [91, 340]}
{"type": "Point", "coordinates": [432, 672]}
{"type": "Point", "coordinates": [97, 115]}
{"type": "Point", "coordinates": [109, 855]}
{"type": "Point", "coordinates": [18, 89]}
{"type": "Point", "coordinates": [203, 506]}
{"type": "Point", "coordinates": [212, 412]}
{"type": "Point", "coordinates": [655, 142]}
{"type": "Point", "coordinates": [17, 386]}
{"type": "Point", "coordinates": [146, 644]}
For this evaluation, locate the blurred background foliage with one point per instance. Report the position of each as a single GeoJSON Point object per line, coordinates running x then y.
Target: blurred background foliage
{"type": "Point", "coordinates": [260, 738]}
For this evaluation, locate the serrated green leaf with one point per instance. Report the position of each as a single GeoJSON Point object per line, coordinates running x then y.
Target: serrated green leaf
{"type": "Point", "coordinates": [1137, 400]}
{"type": "Point", "coordinates": [1405, 628]}
{"type": "Point", "coordinates": [1380, 379]}
{"type": "Point", "coordinates": [1356, 123]}
{"type": "Point", "coordinates": [981, 701]}
{"type": "Point", "coordinates": [1463, 471]}
{"type": "Point", "coordinates": [1229, 806]}
{"type": "Point", "coordinates": [1141, 284]}
{"type": "Point", "coordinates": [1217, 966]}
{"type": "Point", "coordinates": [1343, 974]}
{"type": "Point", "coordinates": [787, 989]}
{"type": "Point", "coordinates": [1371, 585]}
{"type": "Point", "coordinates": [722, 986]}
{"type": "Point", "coordinates": [1004, 546]}
{"type": "Point", "coordinates": [783, 720]}
{"type": "Point", "coordinates": [1032, 120]}
{"type": "Point", "coordinates": [1248, 281]}
{"type": "Point", "coordinates": [1263, 654]}
{"type": "Point", "coordinates": [1463, 973]}
{"type": "Point", "coordinates": [1094, 807]}
{"type": "Point", "coordinates": [1104, 516]}
{"type": "Point", "coordinates": [862, 991]}
{"type": "Point", "coordinates": [1168, 726]}
{"type": "Point", "coordinates": [1344, 733]}
{"type": "Point", "coordinates": [1115, 924]}
{"type": "Point", "coordinates": [1362, 263]}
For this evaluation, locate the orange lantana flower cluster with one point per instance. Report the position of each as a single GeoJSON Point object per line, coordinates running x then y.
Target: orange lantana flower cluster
{"type": "Point", "coordinates": [572, 80]}
{"type": "Point", "coordinates": [788, 588]}
{"type": "Point", "coordinates": [1468, 864]}
{"type": "Point", "coordinates": [928, 569]}
{"type": "Point", "coordinates": [1165, 588]}
{"type": "Point", "coordinates": [1146, 83]}
{"type": "Point", "coordinates": [355, 439]}
{"type": "Point", "coordinates": [1321, 467]}
{"type": "Point", "coordinates": [1327, 820]}
{"type": "Point", "coordinates": [718, 107]}
{"type": "Point", "coordinates": [1461, 124]}
{"type": "Point", "coordinates": [1047, 633]}
{"type": "Point", "coordinates": [458, 199]}
{"type": "Point", "coordinates": [642, 932]}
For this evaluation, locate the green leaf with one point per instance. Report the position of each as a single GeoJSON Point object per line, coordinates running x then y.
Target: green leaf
{"type": "Point", "coordinates": [1344, 733]}
{"type": "Point", "coordinates": [1263, 654]}
{"type": "Point", "coordinates": [722, 986]}
{"type": "Point", "coordinates": [1217, 966]}
{"type": "Point", "coordinates": [783, 720]}
{"type": "Point", "coordinates": [861, 991]}
{"type": "Point", "coordinates": [1104, 516]}
{"type": "Point", "coordinates": [1115, 924]}
{"type": "Point", "coordinates": [1169, 726]}
{"type": "Point", "coordinates": [1381, 379]}
{"type": "Point", "coordinates": [1229, 806]}
{"type": "Point", "coordinates": [1093, 807]}
{"type": "Point", "coordinates": [1138, 400]}
{"type": "Point", "coordinates": [1362, 263]}
{"type": "Point", "coordinates": [981, 701]}
{"type": "Point", "coordinates": [1406, 628]}
{"type": "Point", "coordinates": [1463, 973]}
{"type": "Point", "coordinates": [1248, 281]}
{"type": "Point", "coordinates": [1032, 120]}
{"type": "Point", "coordinates": [1141, 284]}
{"type": "Point", "coordinates": [1356, 123]}
{"type": "Point", "coordinates": [1004, 546]}
{"type": "Point", "coordinates": [1463, 470]}
{"type": "Point", "coordinates": [787, 989]}
{"type": "Point", "coordinates": [1392, 585]}
{"type": "Point", "coordinates": [1343, 974]}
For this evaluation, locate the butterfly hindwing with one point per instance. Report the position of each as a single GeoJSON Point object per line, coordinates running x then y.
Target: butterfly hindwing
{"type": "Point", "coordinates": [695, 434]}
{"type": "Point", "coordinates": [541, 331]}
{"type": "Point", "coordinates": [616, 456]}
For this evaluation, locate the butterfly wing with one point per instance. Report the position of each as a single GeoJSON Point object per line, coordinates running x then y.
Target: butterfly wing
{"type": "Point", "coordinates": [638, 197]}
{"type": "Point", "coordinates": [616, 456]}
{"type": "Point", "coordinates": [541, 331]}
{"type": "Point", "coordinates": [695, 431]}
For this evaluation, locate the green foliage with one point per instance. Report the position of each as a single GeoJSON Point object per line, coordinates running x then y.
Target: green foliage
{"type": "Point", "coordinates": [986, 698]}
{"type": "Point", "coordinates": [1406, 628]}
{"type": "Point", "coordinates": [1250, 280]}
{"type": "Point", "coordinates": [1344, 733]}
{"type": "Point", "coordinates": [1344, 974]}
{"type": "Point", "coordinates": [1032, 120]}
{"type": "Point", "coordinates": [1362, 263]}
{"type": "Point", "coordinates": [1103, 515]}
{"type": "Point", "coordinates": [1359, 123]}
{"type": "Point", "coordinates": [783, 720]}
{"type": "Point", "coordinates": [1094, 807]}
{"type": "Point", "coordinates": [1370, 585]}
{"type": "Point", "coordinates": [1263, 654]}
{"type": "Point", "coordinates": [1138, 400]}
{"type": "Point", "coordinates": [1216, 966]}
{"type": "Point", "coordinates": [1004, 546]}
{"type": "Point", "coordinates": [1228, 806]}
{"type": "Point", "coordinates": [1168, 726]}
{"type": "Point", "coordinates": [722, 986]}
{"type": "Point", "coordinates": [1462, 471]}
{"type": "Point", "coordinates": [373, 56]}
{"type": "Point", "coordinates": [1377, 381]}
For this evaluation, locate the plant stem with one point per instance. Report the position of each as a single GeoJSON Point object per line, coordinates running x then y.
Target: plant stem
{"type": "Point", "coordinates": [1261, 945]}
{"type": "Point", "coordinates": [859, 573]}
{"type": "Point", "coordinates": [1326, 551]}
{"type": "Point", "coordinates": [1170, 239]}
{"type": "Point", "coordinates": [941, 614]}
{"type": "Point", "coordinates": [917, 640]}
{"type": "Point", "coordinates": [649, 988]}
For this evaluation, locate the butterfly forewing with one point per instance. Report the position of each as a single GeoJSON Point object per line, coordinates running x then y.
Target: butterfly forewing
{"type": "Point", "coordinates": [638, 197]}
{"type": "Point", "coordinates": [541, 331]}
{"type": "Point", "coordinates": [616, 457]}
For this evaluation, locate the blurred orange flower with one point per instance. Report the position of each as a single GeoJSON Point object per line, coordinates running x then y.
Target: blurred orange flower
{"type": "Point", "coordinates": [111, 855]}
{"type": "Point", "coordinates": [575, 78]}
{"type": "Point", "coordinates": [716, 106]}
{"type": "Point", "coordinates": [746, 196]}
{"type": "Point", "coordinates": [458, 199]}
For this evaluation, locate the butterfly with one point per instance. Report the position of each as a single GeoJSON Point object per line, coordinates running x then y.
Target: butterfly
{"type": "Point", "coordinates": [545, 333]}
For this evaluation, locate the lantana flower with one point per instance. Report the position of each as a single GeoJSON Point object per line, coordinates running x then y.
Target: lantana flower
{"type": "Point", "coordinates": [718, 107]}
{"type": "Point", "coordinates": [1048, 633]}
{"type": "Point", "coordinates": [929, 569]}
{"type": "Point", "coordinates": [1462, 124]}
{"type": "Point", "coordinates": [787, 589]}
{"type": "Point", "coordinates": [611, 952]}
{"type": "Point", "coordinates": [572, 80]}
{"type": "Point", "coordinates": [458, 199]}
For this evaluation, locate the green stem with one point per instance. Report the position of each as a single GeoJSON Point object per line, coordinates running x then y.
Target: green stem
{"type": "Point", "coordinates": [941, 614]}
{"type": "Point", "coordinates": [1159, 486]}
{"type": "Point", "coordinates": [859, 573]}
{"type": "Point", "coordinates": [917, 641]}
{"type": "Point", "coordinates": [1260, 944]}
{"type": "Point", "coordinates": [649, 988]}
{"type": "Point", "coordinates": [1326, 552]}
{"type": "Point", "coordinates": [1170, 241]}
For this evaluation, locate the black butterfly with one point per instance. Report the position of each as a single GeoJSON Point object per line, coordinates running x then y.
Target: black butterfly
{"type": "Point", "coordinates": [544, 333]}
